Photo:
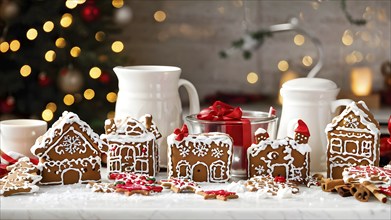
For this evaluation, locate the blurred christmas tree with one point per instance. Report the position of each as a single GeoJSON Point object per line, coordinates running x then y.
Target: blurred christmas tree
{"type": "Point", "coordinates": [57, 55]}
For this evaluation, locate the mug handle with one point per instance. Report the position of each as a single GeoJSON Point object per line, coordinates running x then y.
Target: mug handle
{"type": "Point", "coordinates": [340, 102]}
{"type": "Point", "coordinates": [193, 95]}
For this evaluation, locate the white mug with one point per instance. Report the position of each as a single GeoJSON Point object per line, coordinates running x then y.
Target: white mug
{"type": "Point", "coordinates": [154, 90]}
{"type": "Point", "coordinates": [314, 101]}
{"type": "Point", "coordinates": [18, 135]}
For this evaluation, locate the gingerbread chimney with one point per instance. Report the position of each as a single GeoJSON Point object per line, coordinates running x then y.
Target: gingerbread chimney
{"type": "Point", "coordinates": [301, 133]}
{"type": "Point", "coordinates": [260, 135]}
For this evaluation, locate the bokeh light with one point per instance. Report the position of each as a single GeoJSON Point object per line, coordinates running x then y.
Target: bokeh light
{"type": "Point", "coordinates": [89, 94]}
{"type": "Point", "coordinates": [75, 51]}
{"type": "Point", "coordinates": [25, 70]}
{"type": "Point", "coordinates": [60, 42]}
{"type": "Point", "coordinates": [160, 16]}
{"type": "Point", "coordinates": [299, 39]}
{"type": "Point", "coordinates": [95, 72]}
{"type": "Point", "coordinates": [307, 61]}
{"type": "Point", "coordinates": [283, 65]}
{"type": "Point", "coordinates": [111, 97]}
{"type": "Point", "coordinates": [32, 33]}
{"type": "Point", "coordinates": [117, 46]}
{"type": "Point", "coordinates": [47, 115]}
{"type": "Point", "coordinates": [15, 45]}
{"type": "Point", "coordinates": [50, 56]}
{"type": "Point", "coordinates": [69, 99]}
{"type": "Point", "coordinates": [252, 77]}
{"type": "Point", "coordinates": [4, 47]}
{"type": "Point", "coordinates": [52, 106]}
{"type": "Point", "coordinates": [66, 20]}
{"type": "Point", "coordinates": [48, 26]}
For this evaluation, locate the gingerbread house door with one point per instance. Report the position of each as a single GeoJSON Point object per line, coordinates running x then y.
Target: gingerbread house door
{"type": "Point", "coordinates": [70, 176]}
{"type": "Point", "coordinates": [200, 172]}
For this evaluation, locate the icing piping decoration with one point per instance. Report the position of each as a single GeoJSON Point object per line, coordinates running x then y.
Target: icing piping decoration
{"type": "Point", "coordinates": [70, 152]}
{"type": "Point", "coordinates": [210, 160]}
{"type": "Point", "coordinates": [288, 158]}
{"type": "Point", "coordinates": [133, 145]}
{"type": "Point", "coordinates": [353, 138]}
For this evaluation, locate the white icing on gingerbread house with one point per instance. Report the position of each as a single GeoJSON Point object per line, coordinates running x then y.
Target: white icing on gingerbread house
{"type": "Point", "coordinates": [70, 152]}
{"type": "Point", "coordinates": [203, 157]}
{"type": "Point", "coordinates": [133, 145]}
{"type": "Point", "coordinates": [282, 157]}
{"type": "Point", "coordinates": [260, 135]}
{"type": "Point", "coordinates": [352, 139]}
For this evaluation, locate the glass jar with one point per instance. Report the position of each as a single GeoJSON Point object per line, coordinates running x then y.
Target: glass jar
{"type": "Point", "coordinates": [241, 131]}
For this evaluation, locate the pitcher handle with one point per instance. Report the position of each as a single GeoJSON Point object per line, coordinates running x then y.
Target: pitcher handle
{"type": "Point", "coordinates": [193, 95]}
{"type": "Point", "coordinates": [340, 102]}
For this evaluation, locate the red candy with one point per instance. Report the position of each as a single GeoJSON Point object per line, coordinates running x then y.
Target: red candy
{"type": "Point", "coordinates": [219, 193]}
{"type": "Point", "coordinates": [385, 190]}
{"type": "Point", "coordinates": [279, 179]}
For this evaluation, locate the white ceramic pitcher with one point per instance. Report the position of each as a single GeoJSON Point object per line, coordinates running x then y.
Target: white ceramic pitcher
{"type": "Point", "coordinates": [154, 90]}
{"type": "Point", "coordinates": [314, 101]}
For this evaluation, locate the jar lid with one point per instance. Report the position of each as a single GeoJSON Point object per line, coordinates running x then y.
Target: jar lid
{"type": "Point", "coordinates": [317, 84]}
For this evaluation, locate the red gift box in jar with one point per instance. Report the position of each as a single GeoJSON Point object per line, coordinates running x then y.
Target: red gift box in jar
{"type": "Point", "coordinates": [240, 125]}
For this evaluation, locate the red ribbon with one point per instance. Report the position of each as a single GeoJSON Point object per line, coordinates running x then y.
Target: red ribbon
{"type": "Point", "coordinates": [220, 111]}
{"type": "Point", "coordinates": [181, 133]}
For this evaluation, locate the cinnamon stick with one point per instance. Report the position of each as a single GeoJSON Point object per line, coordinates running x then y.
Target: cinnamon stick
{"type": "Point", "coordinates": [329, 185]}
{"type": "Point", "coordinates": [362, 194]}
{"type": "Point", "coordinates": [344, 190]}
{"type": "Point", "coordinates": [375, 191]}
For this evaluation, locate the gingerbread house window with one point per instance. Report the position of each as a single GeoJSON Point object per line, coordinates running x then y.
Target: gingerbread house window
{"type": "Point", "coordinates": [366, 148]}
{"type": "Point", "coordinates": [336, 145]}
{"type": "Point", "coordinates": [217, 170]}
{"type": "Point", "coordinates": [351, 147]}
{"type": "Point", "coordinates": [183, 169]}
{"type": "Point", "coordinates": [143, 164]}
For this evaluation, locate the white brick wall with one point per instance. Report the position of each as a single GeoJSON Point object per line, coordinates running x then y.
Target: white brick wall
{"type": "Point", "coordinates": [195, 31]}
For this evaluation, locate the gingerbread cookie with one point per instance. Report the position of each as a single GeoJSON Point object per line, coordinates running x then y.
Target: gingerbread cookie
{"type": "Point", "coordinates": [218, 194]}
{"type": "Point", "coordinates": [353, 138]}
{"type": "Point", "coordinates": [101, 187]}
{"type": "Point", "coordinates": [283, 157]}
{"type": "Point", "coordinates": [201, 157]}
{"type": "Point", "coordinates": [276, 186]}
{"type": "Point", "coordinates": [180, 185]}
{"type": "Point", "coordinates": [69, 152]}
{"type": "Point", "coordinates": [372, 174]}
{"type": "Point", "coordinates": [133, 145]}
{"type": "Point", "coordinates": [131, 183]}
{"type": "Point", "coordinates": [22, 178]}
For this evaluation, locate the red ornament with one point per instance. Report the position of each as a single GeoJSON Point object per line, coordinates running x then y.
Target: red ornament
{"type": "Point", "coordinates": [90, 12]}
{"type": "Point", "coordinates": [104, 78]}
{"type": "Point", "coordinates": [302, 128]}
{"type": "Point", "coordinates": [43, 79]}
{"type": "Point", "coordinates": [7, 105]}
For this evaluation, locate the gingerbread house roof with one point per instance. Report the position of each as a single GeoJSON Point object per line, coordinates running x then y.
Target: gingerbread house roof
{"type": "Point", "coordinates": [45, 142]}
{"type": "Point", "coordinates": [362, 112]}
{"type": "Point", "coordinates": [128, 129]}
{"type": "Point", "coordinates": [220, 139]}
{"type": "Point", "coordinates": [255, 149]}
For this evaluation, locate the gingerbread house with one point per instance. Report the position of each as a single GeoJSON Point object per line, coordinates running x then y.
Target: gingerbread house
{"type": "Point", "coordinates": [201, 157]}
{"type": "Point", "coordinates": [352, 139]}
{"type": "Point", "coordinates": [69, 152]}
{"type": "Point", "coordinates": [283, 157]}
{"type": "Point", "coordinates": [133, 145]}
